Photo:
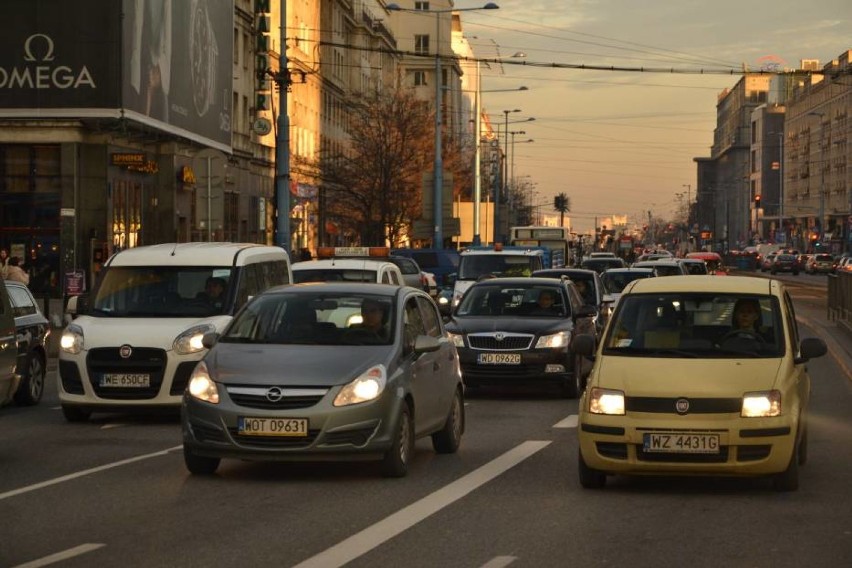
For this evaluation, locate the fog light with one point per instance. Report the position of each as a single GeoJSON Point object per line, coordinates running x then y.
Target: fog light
{"type": "Point", "coordinates": [554, 369]}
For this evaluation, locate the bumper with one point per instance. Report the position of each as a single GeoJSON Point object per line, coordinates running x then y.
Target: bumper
{"type": "Point", "coordinates": [357, 432]}
{"type": "Point", "coordinates": [759, 446]}
{"type": "Point", "coordinates": [536, 366]}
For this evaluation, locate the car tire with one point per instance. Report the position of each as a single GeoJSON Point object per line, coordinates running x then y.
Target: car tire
{"type": "Point", "coordinates": [589, 478]}
{"type": "Point", "coordinates": [570, 387]}
{"type": "Point", "coordinates": [448, 438]}
{"type": "Point", "coordinates": [199, 465]}
{"type": "Point", "coordinates": [31, 388]}
{"type": "Point", "coordinates": [395, 461]}
{"type": "Point", "coordinates": [75, 413]}
{"type": "Point", "coordinates": [788, 480]}
{"type": "Point", "coordinates": [803, 446]}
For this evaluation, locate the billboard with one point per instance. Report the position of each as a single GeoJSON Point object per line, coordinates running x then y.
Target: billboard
{"type": "Point", "coordinates": [163, 63]}
{"type": "Point", "coordinates": [177, 66]}
{"type": "Point", "coordinates": [55, 58]}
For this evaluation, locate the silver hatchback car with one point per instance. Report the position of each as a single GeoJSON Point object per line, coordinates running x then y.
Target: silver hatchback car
{"type": "Point", "coordinates": [317, 372]}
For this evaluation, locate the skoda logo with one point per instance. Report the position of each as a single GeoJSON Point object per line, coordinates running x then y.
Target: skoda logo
{"type": "Point", "coordinates": [274, 394]}
{"type": "Point", "coordinates": [125, 351]}
{"type": "Point", "coordinates": [682, 406]}
{"type": "Point", "coordinates": [499, 336]}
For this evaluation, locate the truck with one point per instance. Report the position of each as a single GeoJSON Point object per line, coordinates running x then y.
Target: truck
{"type": "Point", "coordinates": [478, 262]}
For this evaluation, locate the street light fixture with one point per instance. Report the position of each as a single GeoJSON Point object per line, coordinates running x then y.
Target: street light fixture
{"type": "Point", "coordinates": [498, 234]}
{"type": "Point", "coordinates": [438, 175]}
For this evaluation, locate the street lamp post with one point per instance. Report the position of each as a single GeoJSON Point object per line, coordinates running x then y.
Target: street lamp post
{"type": "Point", "coordinates": [438, 175]}
{"type": "Point", "coordinates": [498, 230]}
{"type": "Point", "coordinates": [821, 232]}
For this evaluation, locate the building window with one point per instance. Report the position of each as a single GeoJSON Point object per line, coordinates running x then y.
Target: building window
{"type": "Point", "coordinates": [424, 6]}
{"type": "Point", "coordinates": [421, 44]}
{"type": "Point", "coordinates": [230, 222]}
{"type": "Point", "coordinates": [419, 78]}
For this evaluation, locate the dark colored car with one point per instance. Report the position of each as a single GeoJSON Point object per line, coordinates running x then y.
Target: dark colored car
{"type": "Point", "coordinates": [591, 288]}
{"type": "Point", "coordinates": [504, 337]}
{"type": "Point", "coordinates": [329, 371]}
{"type": "Point", "coordinates": [443, 263]}
{"type": "Point", "coordinates": [785, 263]}
{"type": "Point", "coordinates": [18, 310]}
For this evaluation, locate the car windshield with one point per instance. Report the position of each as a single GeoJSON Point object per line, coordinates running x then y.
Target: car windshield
{"type": "Point", "coordinates": [516, 300]}
{"type": "Point", "coordinates": [696, 325]}
{"type": "Point", "coordinates": [616, 281]}
{"type": "Point", "coordinates": [334, 275]}
{"type": "Point", "coordinates": [472, 267]}
{"type": "Point", "coordinates": [158, 291]}
{"type": "Point", "coordinates": [314, 319]}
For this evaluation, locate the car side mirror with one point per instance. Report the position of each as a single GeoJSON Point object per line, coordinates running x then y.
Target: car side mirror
{"type": "Point", "coordinates": [426, 343]}
{"type": "Point", "coordinates": [811, 348]}
{"type": "Point", "coordinates": [586, 311]}
{"type": "Point", "coordinates": [209, 339]}
{"type": "Point", "coordinates": [77, 305]}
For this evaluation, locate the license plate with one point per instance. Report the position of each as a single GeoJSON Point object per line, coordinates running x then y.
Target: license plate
{"type": "Point", "coordinates": [126, 380]}
{"type": "Point", "coordinates": [251, 426]}
{"type": "Point", "coordinates": [499, 359]}
{"type": "Point", "coordinates": [682, 443]}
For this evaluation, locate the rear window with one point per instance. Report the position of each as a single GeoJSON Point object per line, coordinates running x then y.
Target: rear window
{"type": "Point", "coordinates": [824, 258]}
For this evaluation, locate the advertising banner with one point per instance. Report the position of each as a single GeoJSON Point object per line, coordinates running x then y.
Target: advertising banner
{"type": "Point", "coordinates": [177, 68]}
{"type": "Point", "coordinates": [53, 57]}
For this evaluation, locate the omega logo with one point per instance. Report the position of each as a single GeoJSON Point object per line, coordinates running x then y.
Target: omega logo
{"type": "Point", "coordinates": [44, 76]}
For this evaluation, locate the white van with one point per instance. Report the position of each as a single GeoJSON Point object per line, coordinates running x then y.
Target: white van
{"type": "Point", "coordinates": [137, 336]}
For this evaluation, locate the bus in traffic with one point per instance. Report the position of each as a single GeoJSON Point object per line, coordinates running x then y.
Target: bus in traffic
{"type": "Point", "coordinates": [559, 240]}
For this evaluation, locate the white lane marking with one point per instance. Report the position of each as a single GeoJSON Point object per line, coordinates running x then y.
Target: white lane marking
{"type": "Point", "coordinates": [112, 425]}
{"type": "Point", "coordinates": [60, 556]}
{"type": "Point", "coordinates": [85, 472]}
{"type": "Point", "coordinates": [499, 561]}
{"type": "Point", "coordinates": [360, 543]}
{"type": "Point", "coordinates": [570, 422]}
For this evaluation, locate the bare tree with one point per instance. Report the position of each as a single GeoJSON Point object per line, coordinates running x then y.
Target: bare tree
{"type": "Point", "coordinates": [373, 189]}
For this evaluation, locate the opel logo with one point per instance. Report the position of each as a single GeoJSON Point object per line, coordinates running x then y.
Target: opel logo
{"type": "Point", "coordinates": [682, 406]}
{"type": "Point", "coordinates": [499, 336]}
{"type": "Point", "coordinates": [274, 394]}
{"type": "Point", "coordinates": [125, 351]}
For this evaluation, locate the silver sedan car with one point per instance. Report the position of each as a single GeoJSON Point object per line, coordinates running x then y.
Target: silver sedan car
{"type": "Point", "coordinates": [315, 372]}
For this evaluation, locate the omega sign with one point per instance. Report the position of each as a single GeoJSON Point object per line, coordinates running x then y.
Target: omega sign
{"type": "Point", "coordinates": [39, 71]}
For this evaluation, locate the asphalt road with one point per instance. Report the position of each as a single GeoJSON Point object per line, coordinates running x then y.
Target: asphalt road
{"type": "Point", "coordinates": [114, 492]}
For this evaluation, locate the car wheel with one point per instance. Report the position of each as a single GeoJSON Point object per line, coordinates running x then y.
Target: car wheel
{"type": "Point", "coordinates": [788, 480]}
{"type": "Point", "coordinates": [448, 439]}
{"type": "Point", "coordinates": [32, 386]}
{"type": "Point", "coordinates": [395, 462]}
{"type": "Point", "coordinates": [589, 478]}
{"type": "Point", "coordinates": [75, 413]}
{"type": "Point", "coordinates": [803, 446]}
{"type": "Point", "coordinates": [570, 387]}
{"type": "Point", "coordinates": [199, 465]}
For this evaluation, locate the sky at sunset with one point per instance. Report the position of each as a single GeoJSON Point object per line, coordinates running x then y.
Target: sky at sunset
{"type": "Point", "coordinates": [623, 143]}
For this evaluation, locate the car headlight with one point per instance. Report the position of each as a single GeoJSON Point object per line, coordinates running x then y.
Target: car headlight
{"type": "Point", "coordinates": [201, 386]}
{"type": "Point", "coordinates": [553, 341]}
{"type": "Point", "coordinates": [190, 340]}
{"type": "Point", "coordinates": [606, 401]}
{"type": "Point", "coordinates": [443, 300]}
{"type": "Point", "coordinates": [761, 404]}
{"type": "Point", "coordinates": [72, 339]}
{"type": "Point", "coordinates": [366, 387]}
{"type": "Point", "coordinates": [456, 338]}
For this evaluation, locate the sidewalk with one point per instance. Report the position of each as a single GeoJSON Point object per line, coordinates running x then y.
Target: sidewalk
{"type": "Point", "coordinates": [836, 334]}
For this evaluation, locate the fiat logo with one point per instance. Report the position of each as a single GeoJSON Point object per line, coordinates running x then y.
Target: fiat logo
{"type": "Point", "coordinates": [682, 406]}
{"type": "Point", "coordinates": [125, 351]}
{"type": "Point", "coordinates": [274, 394]}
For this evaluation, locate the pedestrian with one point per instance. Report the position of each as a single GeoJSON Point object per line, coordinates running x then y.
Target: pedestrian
{"type": "Point", "coordinates": [4, 263]}
{"type": "Point", "coordinates": [15, 273]}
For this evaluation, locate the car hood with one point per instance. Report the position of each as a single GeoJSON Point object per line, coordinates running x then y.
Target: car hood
{"type": "Point", "coordinates": [298, 365]}
{"type": "Point", "coordinates": [705, 378]}
{"type": "Point", "coordinates": [140, 332]}
{"type": "Point", "coordinates": [484, 324]}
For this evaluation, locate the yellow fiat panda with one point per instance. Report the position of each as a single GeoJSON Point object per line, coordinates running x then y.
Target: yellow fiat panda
{"type": "Point", "coordinates": [697, 375]}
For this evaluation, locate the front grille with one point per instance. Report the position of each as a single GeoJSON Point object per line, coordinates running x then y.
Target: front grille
{"type": "Point", "coordinates": [696, 405]}
{"type": "Point", "coordinates": [142, 360]}
{"type": "Point", "coordinates": [255, 397]}
{"type": "Point", "coordinates": [660, 457]}
{"type": "Point", "coordinates": [181, 378]}
{"type": "Point", "coordinates": [265, 442]}
{"type": "Point", "coordinates": [509, 342]}
{"type": "Point", "coordinates": [753, 453]}
{"type": "Point", "coordinates": [69, 374]}
{"type": "Point", "coordinates": [506, 372]}
{"type": "Point", "coordinates": [353, 437]}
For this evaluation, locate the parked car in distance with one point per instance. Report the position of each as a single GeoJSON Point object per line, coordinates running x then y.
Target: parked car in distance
{"type": "Point", "coordinates": [23, 345]}
{"type": "Point", "coordinates": [506, 335]}
{"type": "Point", "coordinates": [820, 263]}
{"type": "Point", "coordinates": [785, 263]}
{"type": "Point", "coordinates": [698, 375]}
{"type": "Point", "coordinates": [335, 371]}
